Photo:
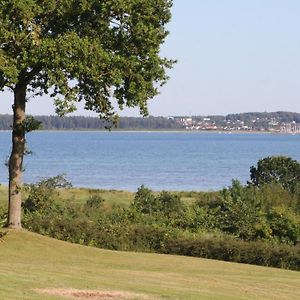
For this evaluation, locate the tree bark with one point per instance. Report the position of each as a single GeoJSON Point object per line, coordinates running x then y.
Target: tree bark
{"type": "Point", "coordinates": [16, 158]}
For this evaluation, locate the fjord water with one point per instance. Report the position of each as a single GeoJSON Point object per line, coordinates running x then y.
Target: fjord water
{"type": "Point", "coordinates": [159, 160]}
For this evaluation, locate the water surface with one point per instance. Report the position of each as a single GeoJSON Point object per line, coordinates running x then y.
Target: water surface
{"type": "Point", "coordinates": [159, 160]}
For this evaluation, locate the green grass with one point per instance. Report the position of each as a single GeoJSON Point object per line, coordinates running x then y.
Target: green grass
{"type": "Point", "coordinates": [29, 261]}
{"type": "Point", "coordinates": [111, 197]}
{"type": "Point", "coordinates": [80, 195]}
{"type": "Point", "coordinates": [3, 195]}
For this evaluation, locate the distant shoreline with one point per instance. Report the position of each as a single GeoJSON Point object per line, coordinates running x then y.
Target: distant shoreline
{"type": "Point", "coordinates": [253, 122]}
{"type": "Point", "coordinates": [160, 130]}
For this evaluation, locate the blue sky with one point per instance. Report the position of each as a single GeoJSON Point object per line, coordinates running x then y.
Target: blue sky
{"type": "Point", "coordinates": [233, 56]}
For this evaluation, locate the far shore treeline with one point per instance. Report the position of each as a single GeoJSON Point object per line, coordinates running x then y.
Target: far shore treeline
{"type": "Point", "coordinates": [139, 123]}
{"type": "Point", "coordinates": [94, 123]}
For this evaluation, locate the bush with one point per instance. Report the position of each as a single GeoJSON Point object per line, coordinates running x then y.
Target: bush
{"type": "Point", "coordinates": [94, 202]}
{"type": "Point", "coordinates": [145, 201]}
{"type": "Point", "coordinates": [276, 170]}
{"type": "Point", "coordinates": [273, 195]}
{"type": "Point", "coordinates": [239, 212]}
{"type": "Point", "coordinates": [165, 203]}
{"type": "Point", "coordinates": [229, 249]}
{"type": "Point", "coordinates": [249, 213]}
{"type": "Point", "coordinates": [149, 238]}
{"type": "Point", "coordinates": [285, 225]}
{"type": "Point", "coordinates": [171, 205]}
{"type": "Point", "coordinates": [231, 227]}
{"type": "Point", "coordinates": [41, 195]}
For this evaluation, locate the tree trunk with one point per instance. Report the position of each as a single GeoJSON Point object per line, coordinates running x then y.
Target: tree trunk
{"type": "Point", "coordinates": [16, 158]}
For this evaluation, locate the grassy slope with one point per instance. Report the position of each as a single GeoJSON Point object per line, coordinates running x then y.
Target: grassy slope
{"type": "Point", "coordinates": [30, 261]}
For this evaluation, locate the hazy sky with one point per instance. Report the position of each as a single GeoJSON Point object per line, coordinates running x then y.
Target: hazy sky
{"type": "Point", "coordinates": [233, 56]}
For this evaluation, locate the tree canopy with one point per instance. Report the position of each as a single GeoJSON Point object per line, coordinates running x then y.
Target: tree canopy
{"type": "Point", "coordinates": [79, 50]}
{"type": "Point", "coordinates": [276, 170]}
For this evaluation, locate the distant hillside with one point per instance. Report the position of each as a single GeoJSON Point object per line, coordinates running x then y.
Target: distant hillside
{"type": "Point", "coordinates": [281, 121]}
{"type": "Point", "coordinates": [93, 123]}
{"type": "Point", "coordinates": [281, 116]}
{"type": "Point", "coordinates": [272, 121]}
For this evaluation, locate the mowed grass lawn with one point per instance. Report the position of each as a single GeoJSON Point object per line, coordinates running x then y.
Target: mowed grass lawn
{"type": "Point", "coordinates": [29, 261]}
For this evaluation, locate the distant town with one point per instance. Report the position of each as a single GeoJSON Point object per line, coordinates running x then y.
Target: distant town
{"type": "Point", "coordinates": [280, 122]}
{"type": "Point", "coordinates": [276, 122]}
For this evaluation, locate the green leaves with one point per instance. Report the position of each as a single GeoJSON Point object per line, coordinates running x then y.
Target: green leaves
{"type": "Point", "coordinates": [31, 124]}
{"type": "Point", "coordinates": [277, 170]}
{"type": "Point", "coordinates": [91, 51]}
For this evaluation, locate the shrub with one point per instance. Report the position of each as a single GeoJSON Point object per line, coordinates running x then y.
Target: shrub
{"type": "Point", "coordinates": [273, 195]}
{"type": "Point", "coordinates": [41, 195]}
{"type": "Point", "coordinates": [229, 249]}
{"type": "Point", "coordinates": [145, 201]}
{"type": "Point", "coordinates": [148, 238]}
{"type": "Point", "coordinates": [165, 203]}
{"type": "Point", "coordinates": [285, 225]}
{"type": "Point", "coordinates": [171, 205]}
{"type": "Point", "coordinates": [276, 170]}
{"type": "Point", "coordinates": [94, 201]}
{"type": "Point", "coordinates": [238, 212]}
{"type": "Point", "coordinates": [231, 227]}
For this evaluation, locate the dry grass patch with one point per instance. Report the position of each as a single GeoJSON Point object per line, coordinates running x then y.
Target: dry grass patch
{"type": "Point", "coordinates": [90, 294]}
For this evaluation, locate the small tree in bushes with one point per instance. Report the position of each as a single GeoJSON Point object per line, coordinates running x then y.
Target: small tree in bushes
{"type": "Point", "coordinates": [171, 205]}
{"type": "Point", "coordinates": [42, 195]}
{"type": "Point", "coordinates": [164, 203]}
{"type": "Point", "coordinates": [285, 225]}
{"type": "Point", "coordinates": [94, 201]}
{"type": "Point", "coordinates": [239, 212]}
{"type": "Point", "coordinates": [145, 201]}
{"type": "Point", "coordinates": [276, 170]}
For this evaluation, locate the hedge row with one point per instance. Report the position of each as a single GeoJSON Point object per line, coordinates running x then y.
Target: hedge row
{"type": "Point", "coordinates": [257, 253]}
{"type": "Point", "coordinates": [139, 237]}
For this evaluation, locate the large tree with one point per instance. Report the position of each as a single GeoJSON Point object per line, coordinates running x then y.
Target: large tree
{"type": "Point", "coordinates": [105, 53]}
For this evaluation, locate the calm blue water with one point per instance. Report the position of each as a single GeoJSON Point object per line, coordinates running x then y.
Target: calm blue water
{"type": "Point", "coordinates": [159, 160]}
